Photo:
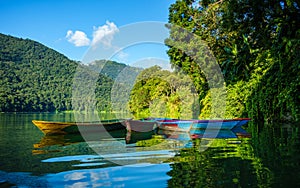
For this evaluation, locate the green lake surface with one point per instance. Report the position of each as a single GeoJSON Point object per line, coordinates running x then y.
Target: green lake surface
{"type": "Point", "coordinates": [270, 157]}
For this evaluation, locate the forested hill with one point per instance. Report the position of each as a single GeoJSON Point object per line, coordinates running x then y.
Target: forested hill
{"type": "Point", "coordinates": [35, 78]}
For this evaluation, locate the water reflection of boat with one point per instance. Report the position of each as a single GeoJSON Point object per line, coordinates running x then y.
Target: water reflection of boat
{"type": "Point", "coordinates": [241, 133]}
{"type": "Point", "coordinates": [166, 139]}
{"type": "Point", "coordinates": [205, 133]}
{"type": "Point", "coordinates": [51, 128]}
{"type": "Point", "coordinates": [134, 137]}
{"type": "Point", "coordinates": [67, 139]}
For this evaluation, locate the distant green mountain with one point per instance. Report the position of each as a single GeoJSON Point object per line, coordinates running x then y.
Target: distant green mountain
{"type": "Point", "coordinates": [124, 77]}
{"type": "Point", "coordinates": [35, 78]}
{"type": "Point", "coordinates": [108, 68]}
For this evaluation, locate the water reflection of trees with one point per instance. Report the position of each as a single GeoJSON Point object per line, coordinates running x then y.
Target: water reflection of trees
{"type": "Point", "coordinates": [278, 149]}
{"type": "Point", "coordinates": [225, 163]}
{"type": "Point", "coordinates": [269, 159]}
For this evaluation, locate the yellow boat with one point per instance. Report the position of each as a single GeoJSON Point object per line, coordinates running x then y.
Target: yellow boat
{"type": "Point", "coordinates": [52, 127]}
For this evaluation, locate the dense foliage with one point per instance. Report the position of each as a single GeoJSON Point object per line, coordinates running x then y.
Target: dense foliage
{"type": "Point", "coordinates": [256, 44]}
{"type": "Point", "coordinates": [161, 93]}
{"type": "Point", "coordinates": [35, 78]}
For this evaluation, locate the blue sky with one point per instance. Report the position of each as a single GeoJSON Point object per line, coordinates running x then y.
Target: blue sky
{"type": "Point", "coordinates": [72, 27]}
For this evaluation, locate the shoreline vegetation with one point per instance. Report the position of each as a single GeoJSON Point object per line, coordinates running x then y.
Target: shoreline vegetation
{"type": "Point", "coordinates": [259, 59]}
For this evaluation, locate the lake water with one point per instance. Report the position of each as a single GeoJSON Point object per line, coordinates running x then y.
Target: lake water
{"type": "Point", "coordinates": [269, 158]}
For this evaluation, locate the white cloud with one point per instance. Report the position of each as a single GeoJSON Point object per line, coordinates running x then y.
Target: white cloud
{"type": "Point", "coordinates": [104, 34]}
{"type": "Point", "coordinates": [101, 35]}
{"type": "Point", "coordinates": [78, 38]}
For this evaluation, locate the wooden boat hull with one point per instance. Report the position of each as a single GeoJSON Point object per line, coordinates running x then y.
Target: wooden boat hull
{"type": "Point", "coordinates": [140, 125]}
{"type": "Point", "coordinates": [55, 128]}
{"type": "Point", "coordinates": [187, 125]}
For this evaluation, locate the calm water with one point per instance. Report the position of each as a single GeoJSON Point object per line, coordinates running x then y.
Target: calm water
{"type": "Point", "coordinates": [270, 158]}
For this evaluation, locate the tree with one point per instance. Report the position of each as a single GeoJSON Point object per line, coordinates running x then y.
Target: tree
{"type": "Point", "coordinates": [162, 93]}
{"type": "Point", "coordinates": [256, 44]}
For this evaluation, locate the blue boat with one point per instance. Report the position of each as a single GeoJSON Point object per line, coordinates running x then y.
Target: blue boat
{"type": "Point", "coordinates": [188, 125]}
{"type": "Point", "coordinates": [242, 122]}
{"type": "Point", "coordinates": [176, 125]}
